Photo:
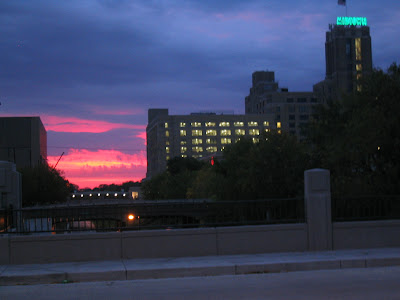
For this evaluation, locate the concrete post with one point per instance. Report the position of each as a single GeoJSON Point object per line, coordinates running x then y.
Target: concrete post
{"type": "Point", "coordinates": [10, 191]}
{"type": "Point", "coordinates": [317, 201]}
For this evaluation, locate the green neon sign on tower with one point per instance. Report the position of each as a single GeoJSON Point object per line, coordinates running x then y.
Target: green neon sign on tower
{"type": "Point", "coordinates": [351, 21]}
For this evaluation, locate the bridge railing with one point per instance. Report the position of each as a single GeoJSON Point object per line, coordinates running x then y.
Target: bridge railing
{"type": "Point", "coordinates": [152, 215]}
{"type": "Point", "coordinates": [366, 208]}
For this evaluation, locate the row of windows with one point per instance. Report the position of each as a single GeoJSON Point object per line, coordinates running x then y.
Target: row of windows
{"type": "Point", "coordinates": [301, 117]}
{"type": "Point", "coordinates": [223, 132]}
{"type": "Point", "coordinates": [197, 149]}
{"type": "Point", "coordinates": [220, 124]}
{"type": "Point", "coordinates": [301, 100]}
{"type": "Point", "coordinates": [209, 149]}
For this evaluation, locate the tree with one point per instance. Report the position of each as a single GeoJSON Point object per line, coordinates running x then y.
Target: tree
{"type": "Point", "coordinates": [43, 184]}
{"type": "Point", "coordinates": [174, 183]}
{"type": "Point", "coordinates": [271, 168]}
{"type": "Point", "coordinates": [358, 138]}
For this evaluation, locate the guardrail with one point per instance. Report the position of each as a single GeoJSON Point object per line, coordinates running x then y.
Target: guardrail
{"type": "Point", "coordinates": [158, 215]}
{"type": "Point", "coordinates": [366, 208]}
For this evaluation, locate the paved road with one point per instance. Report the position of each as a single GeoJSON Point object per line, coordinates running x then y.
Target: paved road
{"type": "Point", "coordinates": [369, 283]}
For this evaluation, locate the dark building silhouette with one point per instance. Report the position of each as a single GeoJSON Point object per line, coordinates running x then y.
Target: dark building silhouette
{"type": "Point", "coordinates": [23, 141]}
{"type": "Point", "coordinates": [289, 110]}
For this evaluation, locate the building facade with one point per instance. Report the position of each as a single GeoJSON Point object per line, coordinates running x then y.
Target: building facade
{"type": "Point", "coordinates": [291, 109]}
{"type": "Point", "coordinates": [348, 56]}
{"type": "Point", "coordinates": [23, 141]}
{"type": "Point", "coordinates": [197, 135]}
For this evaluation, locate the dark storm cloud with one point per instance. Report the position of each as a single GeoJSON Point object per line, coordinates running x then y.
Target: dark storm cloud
{"type": "Point", "coordinates": [149, 53]}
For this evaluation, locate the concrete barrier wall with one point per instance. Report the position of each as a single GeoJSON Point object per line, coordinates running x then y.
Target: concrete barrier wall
{"type": "Point", "coordinates": [153, 244]}
{"type": "Point", "coordinates": [371, 234]}
{"type": "Point", "coordinates": [261, 239]}
{"type": "Point", "coordinates": [63, 248]}
{"type": "Point", "coordinates": [190, 242]}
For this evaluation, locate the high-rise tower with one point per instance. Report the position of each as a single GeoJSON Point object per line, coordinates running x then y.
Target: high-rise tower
{"type": "Point", "coordinates": [348, 55]}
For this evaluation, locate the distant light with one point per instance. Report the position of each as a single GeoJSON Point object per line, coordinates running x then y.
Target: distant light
{"type": "Point", "coordinates": [131, 217]}
{"type": "Point", "coordinates": [123, 195]}
{"type": "Point", "coordinates": [81, 195]}
{"type": "Point", "coordinates": [379, 148]}
{"type": "Point", "coordinates": [107, 194]}
{"type": "Point", "coordinates": [115, 194]}
{"type": "Point", "coordinates": [90, 195]}
{"type": "Point", "coordinates": [98, 194]}
{"type": "Point", "coordinates": [73, 196]}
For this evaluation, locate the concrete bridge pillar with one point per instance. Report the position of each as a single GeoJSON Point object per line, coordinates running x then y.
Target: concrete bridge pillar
{"type": "Point", "coordinates": [317, 200]}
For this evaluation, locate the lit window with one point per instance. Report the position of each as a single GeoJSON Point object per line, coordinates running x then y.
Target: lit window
{"type": "Point", "coordinates": [166, 125]}
{"type": "Point", "coordinates": [252, 123]}
{"type": "Point", "coordinates": [238, 124]}
{"type": "Point", "coordinates": [197, 149]}
{"type": "Point", "coordinates": [267, 130]}
{"type": "Point", "coordinates": [167, 133]}
{"type": "Point", "coordinates": [211, 141]}
{"type": "Point", "coordinates": [167, 149]}
{"type": "Point", "coordinates": [211, 132]}
{"type": "Point", "coordinates": [196, 124]}
{"type": "Point", "coordinates": [183, 132]}
{"type": "Point", "coordinates": [240, 132]}
{"type": "Point", "coordinates": [183, 142]}
{"type": "Point", "coordinates": [212, 149]}
{"type": "Point", "coordinates": [226, 141]}
{"type": "Point", "coordinates": [279, 131]}
{"type": "Point", "coordinates": [210, 124]}
{"type": "Point", "coordinates": [225, 132]}
{"type": "Point", "coordinates": [237, 140]}
{"type": "Point", "coordinates": [278, 124]}
{"type": "Point", "coordinates": [183, 149]}
{"type": "Point", "coordinates": [197, 132]}
{"type": "Point", "coordinates": [182, 124]}
{"type": "Point", "coordinates": [198, 156]}
{"type": "Point", "coordinates": [167, 143]}
{"type": "Point", "coordinates": [224, 124]}
{"type": "Point", "coordinates": [254, 132]}
{"type": "Point", "coordinates": [358, 48]}
{"type": "Point", "coordinates": [197, 141]}
{"type": "Point", "coordinates": [358, 67]}
{"type": "Point", "coordinates": [184, 155]}
{"type": "Point", "coordinates": [167, 157]}
{"type": "Point", "coordinates": [255, 140]}
{"type": "Point", "coordinates": [266, 123]}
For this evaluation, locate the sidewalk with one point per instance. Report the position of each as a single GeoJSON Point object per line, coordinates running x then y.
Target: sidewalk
{"type": "Point", "coordinates": [196, 266]}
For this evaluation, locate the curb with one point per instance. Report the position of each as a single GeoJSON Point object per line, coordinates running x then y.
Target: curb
{"type": "Point", "coordinates": [136, 273]}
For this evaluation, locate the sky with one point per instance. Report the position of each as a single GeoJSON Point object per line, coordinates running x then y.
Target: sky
{"type": "Point", "coordinates": [92, 68]}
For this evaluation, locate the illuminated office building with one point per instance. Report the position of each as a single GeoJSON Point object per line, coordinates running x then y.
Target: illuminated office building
{"type": "Point", "coordinates": [198, 135]}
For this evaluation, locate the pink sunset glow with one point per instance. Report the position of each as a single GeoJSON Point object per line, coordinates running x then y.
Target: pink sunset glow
{"type": "Point", "coordinates": [90, 168]}
{"type": "Point", "coordinates": [76, 125]}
